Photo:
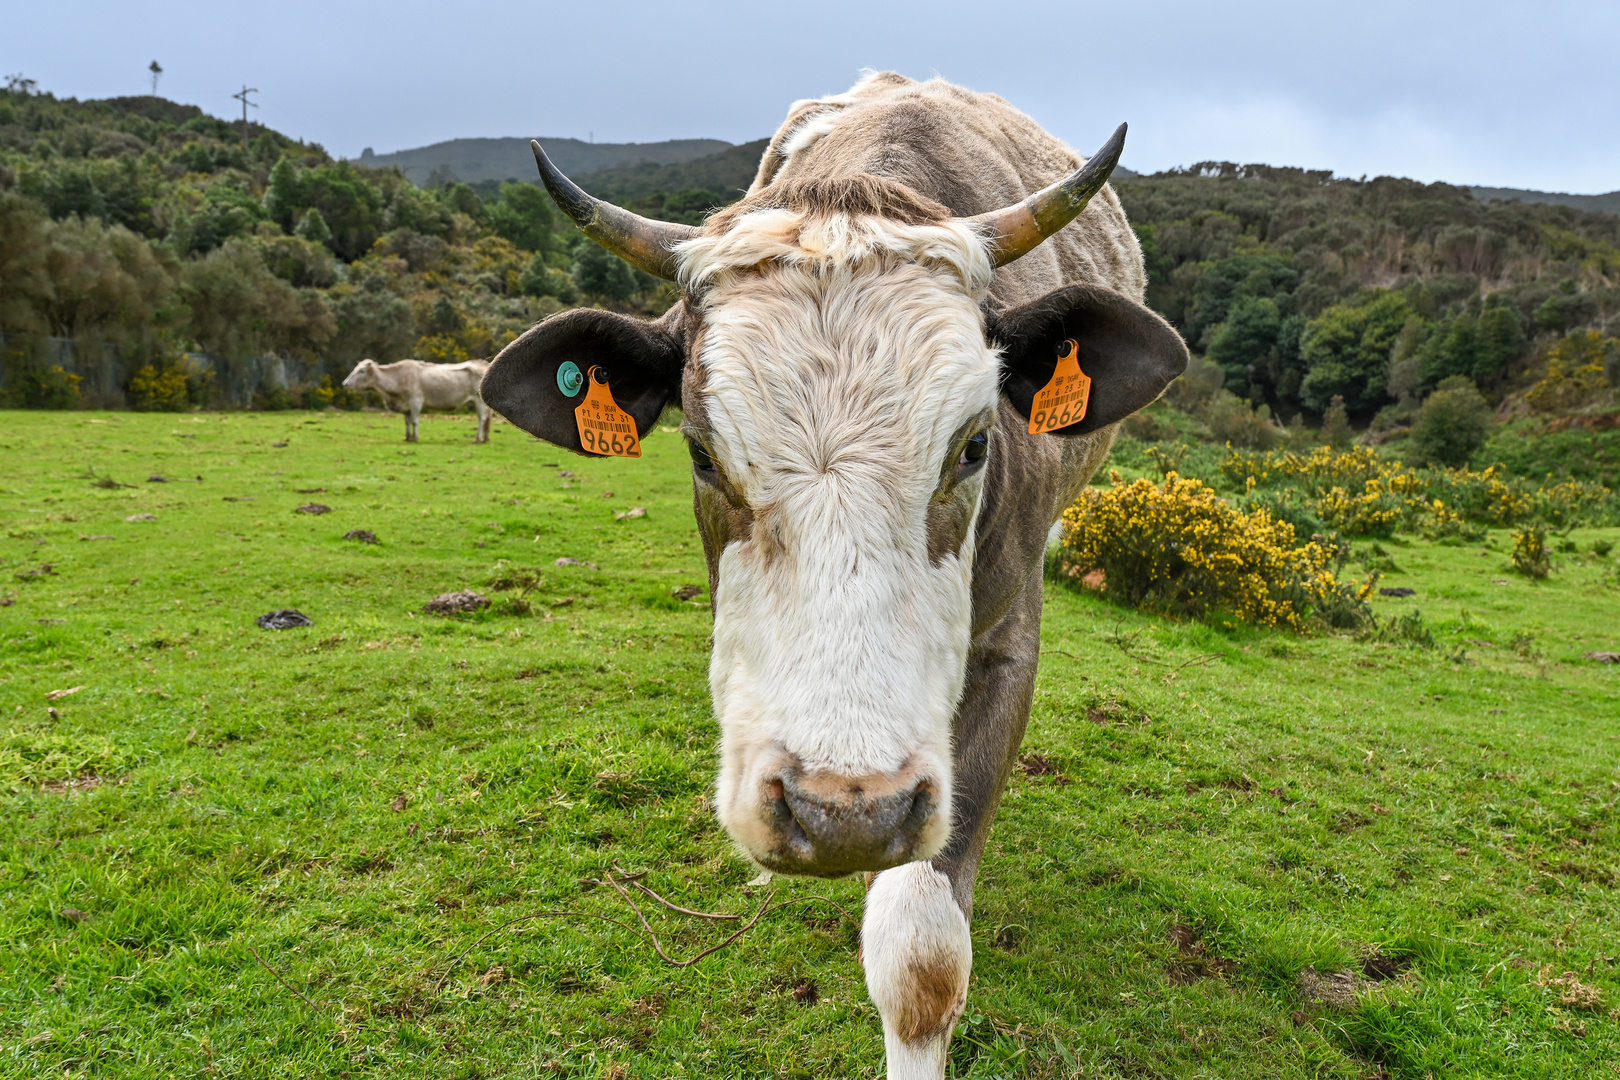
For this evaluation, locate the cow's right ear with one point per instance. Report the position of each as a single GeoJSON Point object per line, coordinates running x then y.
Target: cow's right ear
{"type": "Point", "coordinates": [642, 359]}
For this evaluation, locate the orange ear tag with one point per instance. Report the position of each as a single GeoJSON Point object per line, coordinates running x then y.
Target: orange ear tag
{"type": "Point", "coordinates": [604, 428]}
{"type": "Point", "coordinates": [1062, 401]}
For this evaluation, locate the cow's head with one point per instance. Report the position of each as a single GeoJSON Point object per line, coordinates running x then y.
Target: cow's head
{"type": "Point", "coordinates": [840, 382]}
{"type": "Point", "coordinates": [364, 375]}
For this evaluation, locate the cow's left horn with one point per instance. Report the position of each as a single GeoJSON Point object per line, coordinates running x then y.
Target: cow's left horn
{"type": "Point", "coordinates": [1017, 230]}
{"type": "Point", "coordinates": [639, 241]}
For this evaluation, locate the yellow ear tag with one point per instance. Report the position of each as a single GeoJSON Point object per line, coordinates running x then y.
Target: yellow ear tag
{"type": "Point", "coordinates": [604, 428]}
{"type": "Point", "coordinates": [1062, 401]}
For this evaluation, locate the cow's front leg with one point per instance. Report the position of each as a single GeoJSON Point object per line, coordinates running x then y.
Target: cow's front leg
{"type": "Point", "coordinates": [918, 955]}
{"type": "Point", "coordinates": [413, 414]}
{"type": "Point", "coordinates": [484, 416]}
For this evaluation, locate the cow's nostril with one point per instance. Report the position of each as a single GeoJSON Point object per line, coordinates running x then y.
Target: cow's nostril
{"type": "Point", "coordinates": [776, 804]}
{"type": "Point", "coordinates": [830, 827]}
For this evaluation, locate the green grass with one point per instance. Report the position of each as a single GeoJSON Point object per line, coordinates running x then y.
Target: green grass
{"type": "Point", "coordinates": [361, 800]}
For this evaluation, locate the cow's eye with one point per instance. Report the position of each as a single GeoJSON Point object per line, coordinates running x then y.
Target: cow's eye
{"type": "Point", "coordinates": [973, 453]}
{"type": "Point", "coordinates": [700, 456]}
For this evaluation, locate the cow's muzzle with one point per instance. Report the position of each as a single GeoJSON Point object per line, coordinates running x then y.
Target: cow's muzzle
{"type": "Point", "coordinates": [828, 826]}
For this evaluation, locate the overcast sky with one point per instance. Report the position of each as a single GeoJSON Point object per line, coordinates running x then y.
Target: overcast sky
{"type": "Point", "coordinates": [1503, 94]}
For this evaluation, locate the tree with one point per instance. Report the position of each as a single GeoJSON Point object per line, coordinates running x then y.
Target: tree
{"type": "Point", "coordinates": [371, 322]}
{"type": "Point", "coordinates": [1336, 424]}
{"type": "Point", "coordinates": [539, 279]}
{"type": "Point", "coordinates": [1405, 377]}
{"type": "Point", "coordinates": [24, 247]}
{"type": "Point", "coordinates": [601, 274]}
{"type": "Point", "coordinates": [1227, 282]}
{"type": "Point", "coordinates": [414, 209]}
{"type": "Point", "coordinates": [1566, 309]}
{"type": "Point", "coordinates": [1501, 338]}
{"type": "Point", "coordinates": [240, 309]}
{"type": "Point", "coordinates": [1346, 352]}
{"type": "Point", "coordinates": [524, 216]}
{"type": "Point", "coordinates": [313, 227]}
{"type": "Point", "coordinates": [1451, 425]}
{"type": "Point", "coordinates": [1243, 344]}
{"type": "Point", "coordinates": [226, 211]}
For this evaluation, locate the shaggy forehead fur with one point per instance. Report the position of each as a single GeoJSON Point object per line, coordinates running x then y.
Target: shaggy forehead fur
{"type": "Point", "coordinates": [846, 225]}
{"type": "Point", "coordinates": [834, 336]}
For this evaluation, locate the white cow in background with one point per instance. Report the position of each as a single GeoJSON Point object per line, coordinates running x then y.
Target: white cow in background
{"type": "Point", "coordinates": [410, 386]}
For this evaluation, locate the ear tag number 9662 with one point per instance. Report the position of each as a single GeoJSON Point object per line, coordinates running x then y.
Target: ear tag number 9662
{"type": "Point", "coordinates": [1062, 401]}
{"type": "Point", "coordinates": [604, 428]}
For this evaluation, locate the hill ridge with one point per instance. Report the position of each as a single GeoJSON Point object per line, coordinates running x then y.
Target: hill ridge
{"type": "Point", "coordinates": [474, 160]}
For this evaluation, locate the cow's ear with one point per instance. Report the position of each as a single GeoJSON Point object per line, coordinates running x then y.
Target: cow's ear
{"type": "Point", "coordinates": [1130, 353]}
{"type": "Point", "coordinates": [643, 361]}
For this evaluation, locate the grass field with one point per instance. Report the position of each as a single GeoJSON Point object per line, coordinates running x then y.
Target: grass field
{"type": "Point", "coordinates": [1208, 826]}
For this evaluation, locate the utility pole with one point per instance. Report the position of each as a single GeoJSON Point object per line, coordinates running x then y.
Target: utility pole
{"type": "Point", "coordinates": [243, 98]}
{"type": "Point", "coordinates": [156, 69]}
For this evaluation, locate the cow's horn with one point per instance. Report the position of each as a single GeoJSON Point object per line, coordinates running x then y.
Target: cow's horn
{"type": "Point", "coordinates": [639, 241]}
{"type": "Point", "coordinates": [1017, 230]}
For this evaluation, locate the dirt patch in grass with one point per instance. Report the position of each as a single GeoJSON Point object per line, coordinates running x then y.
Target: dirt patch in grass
{"type": "Point", "coordinates": [1194, 960]}
{"type": "Point", "coordinates": [1378, 967]}
{"type": "Point", "coordinates": [1034, 764]}
{"type": "Point", "coordinates": [1339, 990]}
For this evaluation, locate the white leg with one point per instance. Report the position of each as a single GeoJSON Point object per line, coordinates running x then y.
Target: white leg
{"type": "Point", "coordinates": [918, 956]}
{"type": "Point", "coordinates": [411, 419]}
{"type": "Point", "coordinates": [483, 420]}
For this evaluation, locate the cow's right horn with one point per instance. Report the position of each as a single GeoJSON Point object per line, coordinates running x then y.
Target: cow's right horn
{"type": "Point", "coordinates": [639, 241]}
{"type": "Point", "coordinates": [1016, 230]}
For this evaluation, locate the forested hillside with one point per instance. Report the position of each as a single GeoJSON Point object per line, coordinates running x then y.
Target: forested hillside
{"type": "Point", "coordinates": [1302, 286]}
{"type": "Point", "coordinates": [149, 233]}
{"type": "Point", "coordinates": [151, 257]}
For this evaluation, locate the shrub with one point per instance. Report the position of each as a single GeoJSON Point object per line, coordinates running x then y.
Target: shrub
{"type": "Point", "coordinates": [273, 397]}
{"type": "Point", "coordinates": [1357, 491]}
{"type": "Point", "coordinates": [154, 389]}
{"type": "Point", "coordinates": [1447, 526]}
{"type": "Point", "coordinates": [1408, 629]}
{"type": "Point", "coordinates": [1180, 549]}
{"type": "Point", "coordinates": [1232, 420]}
{"type": "Point", "coordinates": [441, 349]}
{"type": "Point", "coordinates": [40, 388]}
{"type": "Point", "coordinates": [1530, 553]}
{"type": "Point", "coordinates": [332, 394]}
{"type": "Point", "coordinates": [1452, 424]}
{"type": "Point", "coordinates": [1576, 373]}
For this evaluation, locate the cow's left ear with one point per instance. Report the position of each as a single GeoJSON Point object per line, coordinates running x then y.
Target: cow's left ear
{"type": "Point", "coordinates": [643, 361]}
{"type": "Point", "coordinates": [1130, 353]}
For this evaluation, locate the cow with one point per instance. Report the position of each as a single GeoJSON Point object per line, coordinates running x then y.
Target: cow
{"type": "Point", "coordinates": [409, 386]}
{"type": "Point", "coordinates": [856, 348]}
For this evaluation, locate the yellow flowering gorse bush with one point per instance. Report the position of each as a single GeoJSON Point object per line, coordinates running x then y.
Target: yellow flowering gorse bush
{"type": "Point", "coordinates": [1180, 549]}
{"type": "Point", "coordinates": [1360, 493]}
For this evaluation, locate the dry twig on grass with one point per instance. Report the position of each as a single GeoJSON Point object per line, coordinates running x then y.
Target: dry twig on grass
{"type": "Point", "coordinates": [617, 883]}
{"type": "Point", "coordinates": [280, 980]}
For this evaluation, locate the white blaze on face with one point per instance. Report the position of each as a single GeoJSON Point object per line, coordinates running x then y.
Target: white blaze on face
{"type": "Point", "coordinates": [836, 398]}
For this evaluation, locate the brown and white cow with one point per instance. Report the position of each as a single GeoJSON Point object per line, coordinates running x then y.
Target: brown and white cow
{"type": "Point", "coordinates": [410, 386]}
{"type": "Point", "coordinates": [856, 349]}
